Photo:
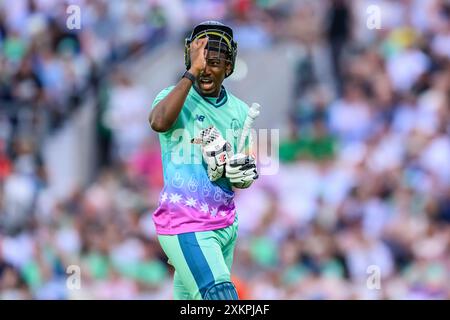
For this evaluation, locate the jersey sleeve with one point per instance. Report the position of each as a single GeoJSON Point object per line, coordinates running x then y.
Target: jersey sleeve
{"type": "Point", "coordinates": [158, 98]}
{"type": "Point", "coordinates": [161, 95]}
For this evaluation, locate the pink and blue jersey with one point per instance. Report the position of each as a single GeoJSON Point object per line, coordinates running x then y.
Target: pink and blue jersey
{"type": "Point", "coordinates": [189, 201]}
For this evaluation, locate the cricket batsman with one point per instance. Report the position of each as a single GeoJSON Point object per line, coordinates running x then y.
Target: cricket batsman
{"type": "Point", "coordinates": [196, 219]}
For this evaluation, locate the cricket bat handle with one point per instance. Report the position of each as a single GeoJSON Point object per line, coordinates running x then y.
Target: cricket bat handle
{"type": "Point", "coordinates": [253, 113]}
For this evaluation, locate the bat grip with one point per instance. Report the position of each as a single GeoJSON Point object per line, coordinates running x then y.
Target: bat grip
{"type": "Point", "coordinates": [244, 135]}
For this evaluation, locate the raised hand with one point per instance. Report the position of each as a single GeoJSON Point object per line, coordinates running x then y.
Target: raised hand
{"type": "Point", "coordinates": [198, 56]}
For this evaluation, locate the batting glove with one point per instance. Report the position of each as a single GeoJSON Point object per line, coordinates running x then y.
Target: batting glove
{"type": "Point", "coordinates": [215, 150]}
{"type": "Point", "coordinates": [241, 170]}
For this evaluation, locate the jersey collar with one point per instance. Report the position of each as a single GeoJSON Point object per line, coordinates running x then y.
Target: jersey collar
{"type": "Point", "coordinates": [215, 102]}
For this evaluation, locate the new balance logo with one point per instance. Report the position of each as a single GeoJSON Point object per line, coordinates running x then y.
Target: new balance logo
{"type": "Point", "coordinates": [200, 117]}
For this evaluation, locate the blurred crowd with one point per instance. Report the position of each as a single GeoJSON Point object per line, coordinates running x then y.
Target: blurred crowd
{"type": "Point", "coordinates": [363, 188]}
{"type": "Point", "coordinates": [52, 56]}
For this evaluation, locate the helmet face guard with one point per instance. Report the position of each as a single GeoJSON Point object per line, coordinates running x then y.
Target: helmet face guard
{"type": "Point", "coordinates": [220, 40]}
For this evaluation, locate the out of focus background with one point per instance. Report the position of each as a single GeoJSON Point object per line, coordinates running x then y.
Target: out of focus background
{"type": "Point", "coordinates": [363, 184]}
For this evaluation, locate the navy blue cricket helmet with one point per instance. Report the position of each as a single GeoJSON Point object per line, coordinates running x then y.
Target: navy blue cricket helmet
{"type": "Point", "coordinates": [220, 39]}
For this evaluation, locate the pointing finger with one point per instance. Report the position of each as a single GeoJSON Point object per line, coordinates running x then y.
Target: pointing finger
{"type": "Point", "coordinates": [204, 42]}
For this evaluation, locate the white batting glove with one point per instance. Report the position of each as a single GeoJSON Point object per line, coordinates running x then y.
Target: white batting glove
{"type": "Point", "coordinates": [241, 170]}
{"type": "Point", "coordinates": [215, 150]}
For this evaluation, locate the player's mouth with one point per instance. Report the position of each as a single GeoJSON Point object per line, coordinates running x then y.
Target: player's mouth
{"type": "Point", "coordinates": [206, 84]}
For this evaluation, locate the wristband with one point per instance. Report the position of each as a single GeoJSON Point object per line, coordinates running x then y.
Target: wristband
{"type": "Point", "coordinates": [189, 76]}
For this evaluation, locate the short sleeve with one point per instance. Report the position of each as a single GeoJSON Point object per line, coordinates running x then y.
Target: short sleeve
{"type": "Point", "coordinates": [161, 95]}
{"type": "Point", "coordinates": [178, 122]}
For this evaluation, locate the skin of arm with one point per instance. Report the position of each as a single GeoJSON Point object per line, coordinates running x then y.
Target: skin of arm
{"type": "Point", "coordinates": [166, 112]}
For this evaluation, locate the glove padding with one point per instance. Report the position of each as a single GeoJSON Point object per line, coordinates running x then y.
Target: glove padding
{"type": "Point", "coordinates": [215, 150]}
{"type": "Point", "coordinates": [241, 170]}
